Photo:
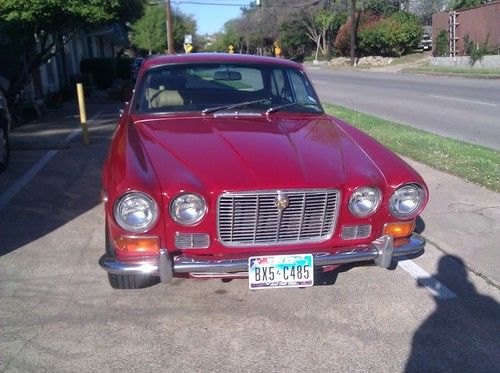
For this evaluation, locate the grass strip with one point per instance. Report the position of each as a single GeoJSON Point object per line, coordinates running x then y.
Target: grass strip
{"type": "Point", "coordinates": [462, 71]}
{"type": "Point", "coordinates": [477, 164]}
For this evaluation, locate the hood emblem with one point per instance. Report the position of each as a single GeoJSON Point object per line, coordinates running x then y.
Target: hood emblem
{"type": "Point", "coordinates": [281, 202]}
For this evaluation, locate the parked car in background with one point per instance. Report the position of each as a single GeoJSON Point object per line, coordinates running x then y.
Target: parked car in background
{"type": "Point", "coordinates": [5, 125]}
{"type": "Point", "coordinates": [426, 42]}
{"type": "Point", "coordinates": [226, 166]}
{"type": "Point", "coordinates": [136, 65]}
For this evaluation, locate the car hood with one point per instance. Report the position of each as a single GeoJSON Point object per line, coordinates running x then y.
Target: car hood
{"type": "Point", "coordinates": [237, 153]}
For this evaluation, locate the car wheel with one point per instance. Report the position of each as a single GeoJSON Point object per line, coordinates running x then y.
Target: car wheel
{"type": "Point", "coordinates": [127, 281]}
{"type": "Point", "coordinates": [4, 145]}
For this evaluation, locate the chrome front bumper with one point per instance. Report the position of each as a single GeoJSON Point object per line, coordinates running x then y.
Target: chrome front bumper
{"type": "Point", "coordinates": [380, 251]}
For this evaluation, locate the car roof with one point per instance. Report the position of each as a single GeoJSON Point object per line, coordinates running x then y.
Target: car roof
{"type": "Point", "coordinates": [216, 58]}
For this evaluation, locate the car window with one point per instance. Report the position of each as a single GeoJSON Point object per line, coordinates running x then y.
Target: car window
{"type": "Point", "coordinates": [279, 86]}
{"type": "Point", "coordinates": [302, 88]}
{"type": "Point", "coordinates": [197, 87]}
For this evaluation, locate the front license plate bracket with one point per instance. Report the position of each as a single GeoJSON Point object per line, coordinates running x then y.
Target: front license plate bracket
{"type": "Point", "coordinates": [278, 271]}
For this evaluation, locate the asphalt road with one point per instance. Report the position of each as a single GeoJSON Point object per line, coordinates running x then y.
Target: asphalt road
{"type": "Point", "coordinates": [58, 313]}
{"type": "Point", "coordinates": [461, 108]}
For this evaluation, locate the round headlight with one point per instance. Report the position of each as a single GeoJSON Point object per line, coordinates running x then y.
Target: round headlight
{"type": "Point", "coordinates": [136, 212]}
{"type": "Point", "coordinates": [364, 201]}
{"type": "Point", "coordinates": [406, 201]}
{"type": "Point", "coordinates": [188, 209]}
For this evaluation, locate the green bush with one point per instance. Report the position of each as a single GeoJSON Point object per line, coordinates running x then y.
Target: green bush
{"type": "Point", "coordinates": [294, 40]}
{"type": "Point", "coordinates": [103, 70]}
{"type": "Point", "coordinates": [343, 39]}
{"type": "Point", "coordinates": [475, 50]}
{"type": "Point", "coordinates": [396, 35]}
{"type": "Point", "coordinates": [442, 44]}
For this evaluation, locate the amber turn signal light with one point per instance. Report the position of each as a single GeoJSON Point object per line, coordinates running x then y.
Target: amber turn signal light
{"type": "Point", "coordinates": [399, 229]}
{"type": "Point", "coordinates": [138, 245]}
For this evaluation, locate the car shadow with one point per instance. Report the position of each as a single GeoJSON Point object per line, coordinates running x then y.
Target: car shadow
{"type": "Point", "coordinates": [463, 333]}
{"type": "Point", "coordinates": [330, 277]}
{"type": "Point", "coordinates": [420, 225]}
{"type": "Point", "coordinates": [67, 186]}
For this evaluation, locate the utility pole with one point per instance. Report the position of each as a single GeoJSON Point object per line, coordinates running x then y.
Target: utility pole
{"type": "Point", "coordinates": [170, 30]}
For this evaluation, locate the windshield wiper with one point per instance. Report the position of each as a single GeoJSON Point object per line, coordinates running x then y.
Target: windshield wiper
{"type": "Point", "coordinates": [279, 107]}
{"type": "Point", "coordinates": [233, 106]}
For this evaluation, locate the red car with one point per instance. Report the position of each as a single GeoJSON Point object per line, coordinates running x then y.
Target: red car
{"type": "Point", "coordinates": [226, 166]}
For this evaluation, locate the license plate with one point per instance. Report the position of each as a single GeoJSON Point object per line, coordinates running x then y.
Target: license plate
{"type": "Point", "coordinates": [280, 271]}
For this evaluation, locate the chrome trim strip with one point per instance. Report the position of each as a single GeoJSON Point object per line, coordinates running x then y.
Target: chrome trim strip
{"type": "Point", "coordinates": [379, 248]}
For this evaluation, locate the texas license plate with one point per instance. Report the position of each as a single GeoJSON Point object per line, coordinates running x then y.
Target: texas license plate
{"type": "Point", "coordinates": [280, 271]}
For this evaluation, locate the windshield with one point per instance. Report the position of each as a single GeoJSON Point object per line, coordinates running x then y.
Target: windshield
{"type": "Point", "coordinates": [225, 87]}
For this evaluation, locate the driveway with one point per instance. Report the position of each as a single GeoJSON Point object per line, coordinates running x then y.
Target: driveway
{"type": "Point", "coordinates": [58, 313]}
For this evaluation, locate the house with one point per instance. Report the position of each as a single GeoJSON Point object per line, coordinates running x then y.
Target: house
{"type": "Point", "coordinates": [55, 74]}
{"type": "Point", "coordinates": [105, 41]}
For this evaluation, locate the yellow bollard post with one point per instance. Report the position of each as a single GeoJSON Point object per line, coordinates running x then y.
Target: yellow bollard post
{"type": "Point", "coordinates": [83, 114]}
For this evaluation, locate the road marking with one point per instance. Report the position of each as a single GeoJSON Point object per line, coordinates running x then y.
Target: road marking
{"type": "Point", "coordinates": [426, 280]}
{"type": "Point", "coordinates": [10, 193]}
{"type": "Point", "coordinates": [464, 100]}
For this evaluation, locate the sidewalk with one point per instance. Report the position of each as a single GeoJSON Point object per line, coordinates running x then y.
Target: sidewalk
{"type": "Point", "coordinates": [52, 130]}
{"type": "Point", "coordinates": [461, 218]}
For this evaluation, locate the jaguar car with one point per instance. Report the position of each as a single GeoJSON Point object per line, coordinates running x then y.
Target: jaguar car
{"type": "Point", "coordinates": [227, 166]}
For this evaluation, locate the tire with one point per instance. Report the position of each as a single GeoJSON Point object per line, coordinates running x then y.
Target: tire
{"type": "Point", "coordinates": [122, 282]}
{"type": "Point", "coordinates": [4, 144]}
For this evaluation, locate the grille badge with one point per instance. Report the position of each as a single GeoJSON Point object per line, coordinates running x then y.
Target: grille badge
{"type": "Point", "coordinates": [281, 202]}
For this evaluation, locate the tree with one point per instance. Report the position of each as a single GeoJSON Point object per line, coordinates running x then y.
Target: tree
{"type": "Point", "coordinates": [317, 25]}
{"type": "Point", "coordinates": [38, 29]}
{"type": "Point", "coordinates": [150, 33]}
{"type": "Point", "coordinates": [393, 36]}
{"type": "Point", "coordinates": [294, 40]}
{"type": "Point", "coordinates": [227, 37]}
{"type": "Point", "coordinates": [461, 4]}
{"type": "Point", "coordinates": [426, 8]}
{"type": "Point", "coordinates": [183, 25]}
{"type": "Point", "coordinates": [354, 30]}
{"type": "Point", "coordinates": [342, 41]}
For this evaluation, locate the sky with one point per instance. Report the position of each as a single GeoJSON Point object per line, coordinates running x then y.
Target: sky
{"type": "Point", "coordinates": [210, 17]}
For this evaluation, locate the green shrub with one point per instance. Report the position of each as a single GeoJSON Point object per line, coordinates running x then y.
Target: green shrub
{"type": "Point", "coordinates": [442, 44]}
{"type": "Point", "coordinates": [475, 50]}
{"type": "Point", "coordinates": [396, 35]}
{"type": "Point", "coordinates": [103, 70]}
{"type": "Point", "coordinates": [343, 39]}
{"type": "Point", "coordinates": [294, 40]}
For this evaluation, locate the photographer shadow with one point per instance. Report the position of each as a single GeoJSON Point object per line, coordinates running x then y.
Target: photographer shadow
{"type": "Point", "coordinates": [463, 333]}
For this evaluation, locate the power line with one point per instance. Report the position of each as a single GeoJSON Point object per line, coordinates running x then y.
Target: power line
{"type": "Point", "coordinates": [180, 2]}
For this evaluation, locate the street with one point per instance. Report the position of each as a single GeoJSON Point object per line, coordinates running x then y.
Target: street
{"type": "Point", "coordinates": [464, 109]}
{"type": "Point", "coordinates": [58, 313]}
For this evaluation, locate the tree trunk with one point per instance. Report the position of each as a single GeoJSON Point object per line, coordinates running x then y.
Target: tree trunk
{"type": "Point", "coordinates": [353, 31]}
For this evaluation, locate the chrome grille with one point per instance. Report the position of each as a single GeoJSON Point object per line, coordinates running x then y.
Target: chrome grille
{"type": "Point", "coordinates": [192, 240]}
{"type": "Point", "coordinates": [352, 232]}
{"type": "Point", "coordinates": [252, 218]}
